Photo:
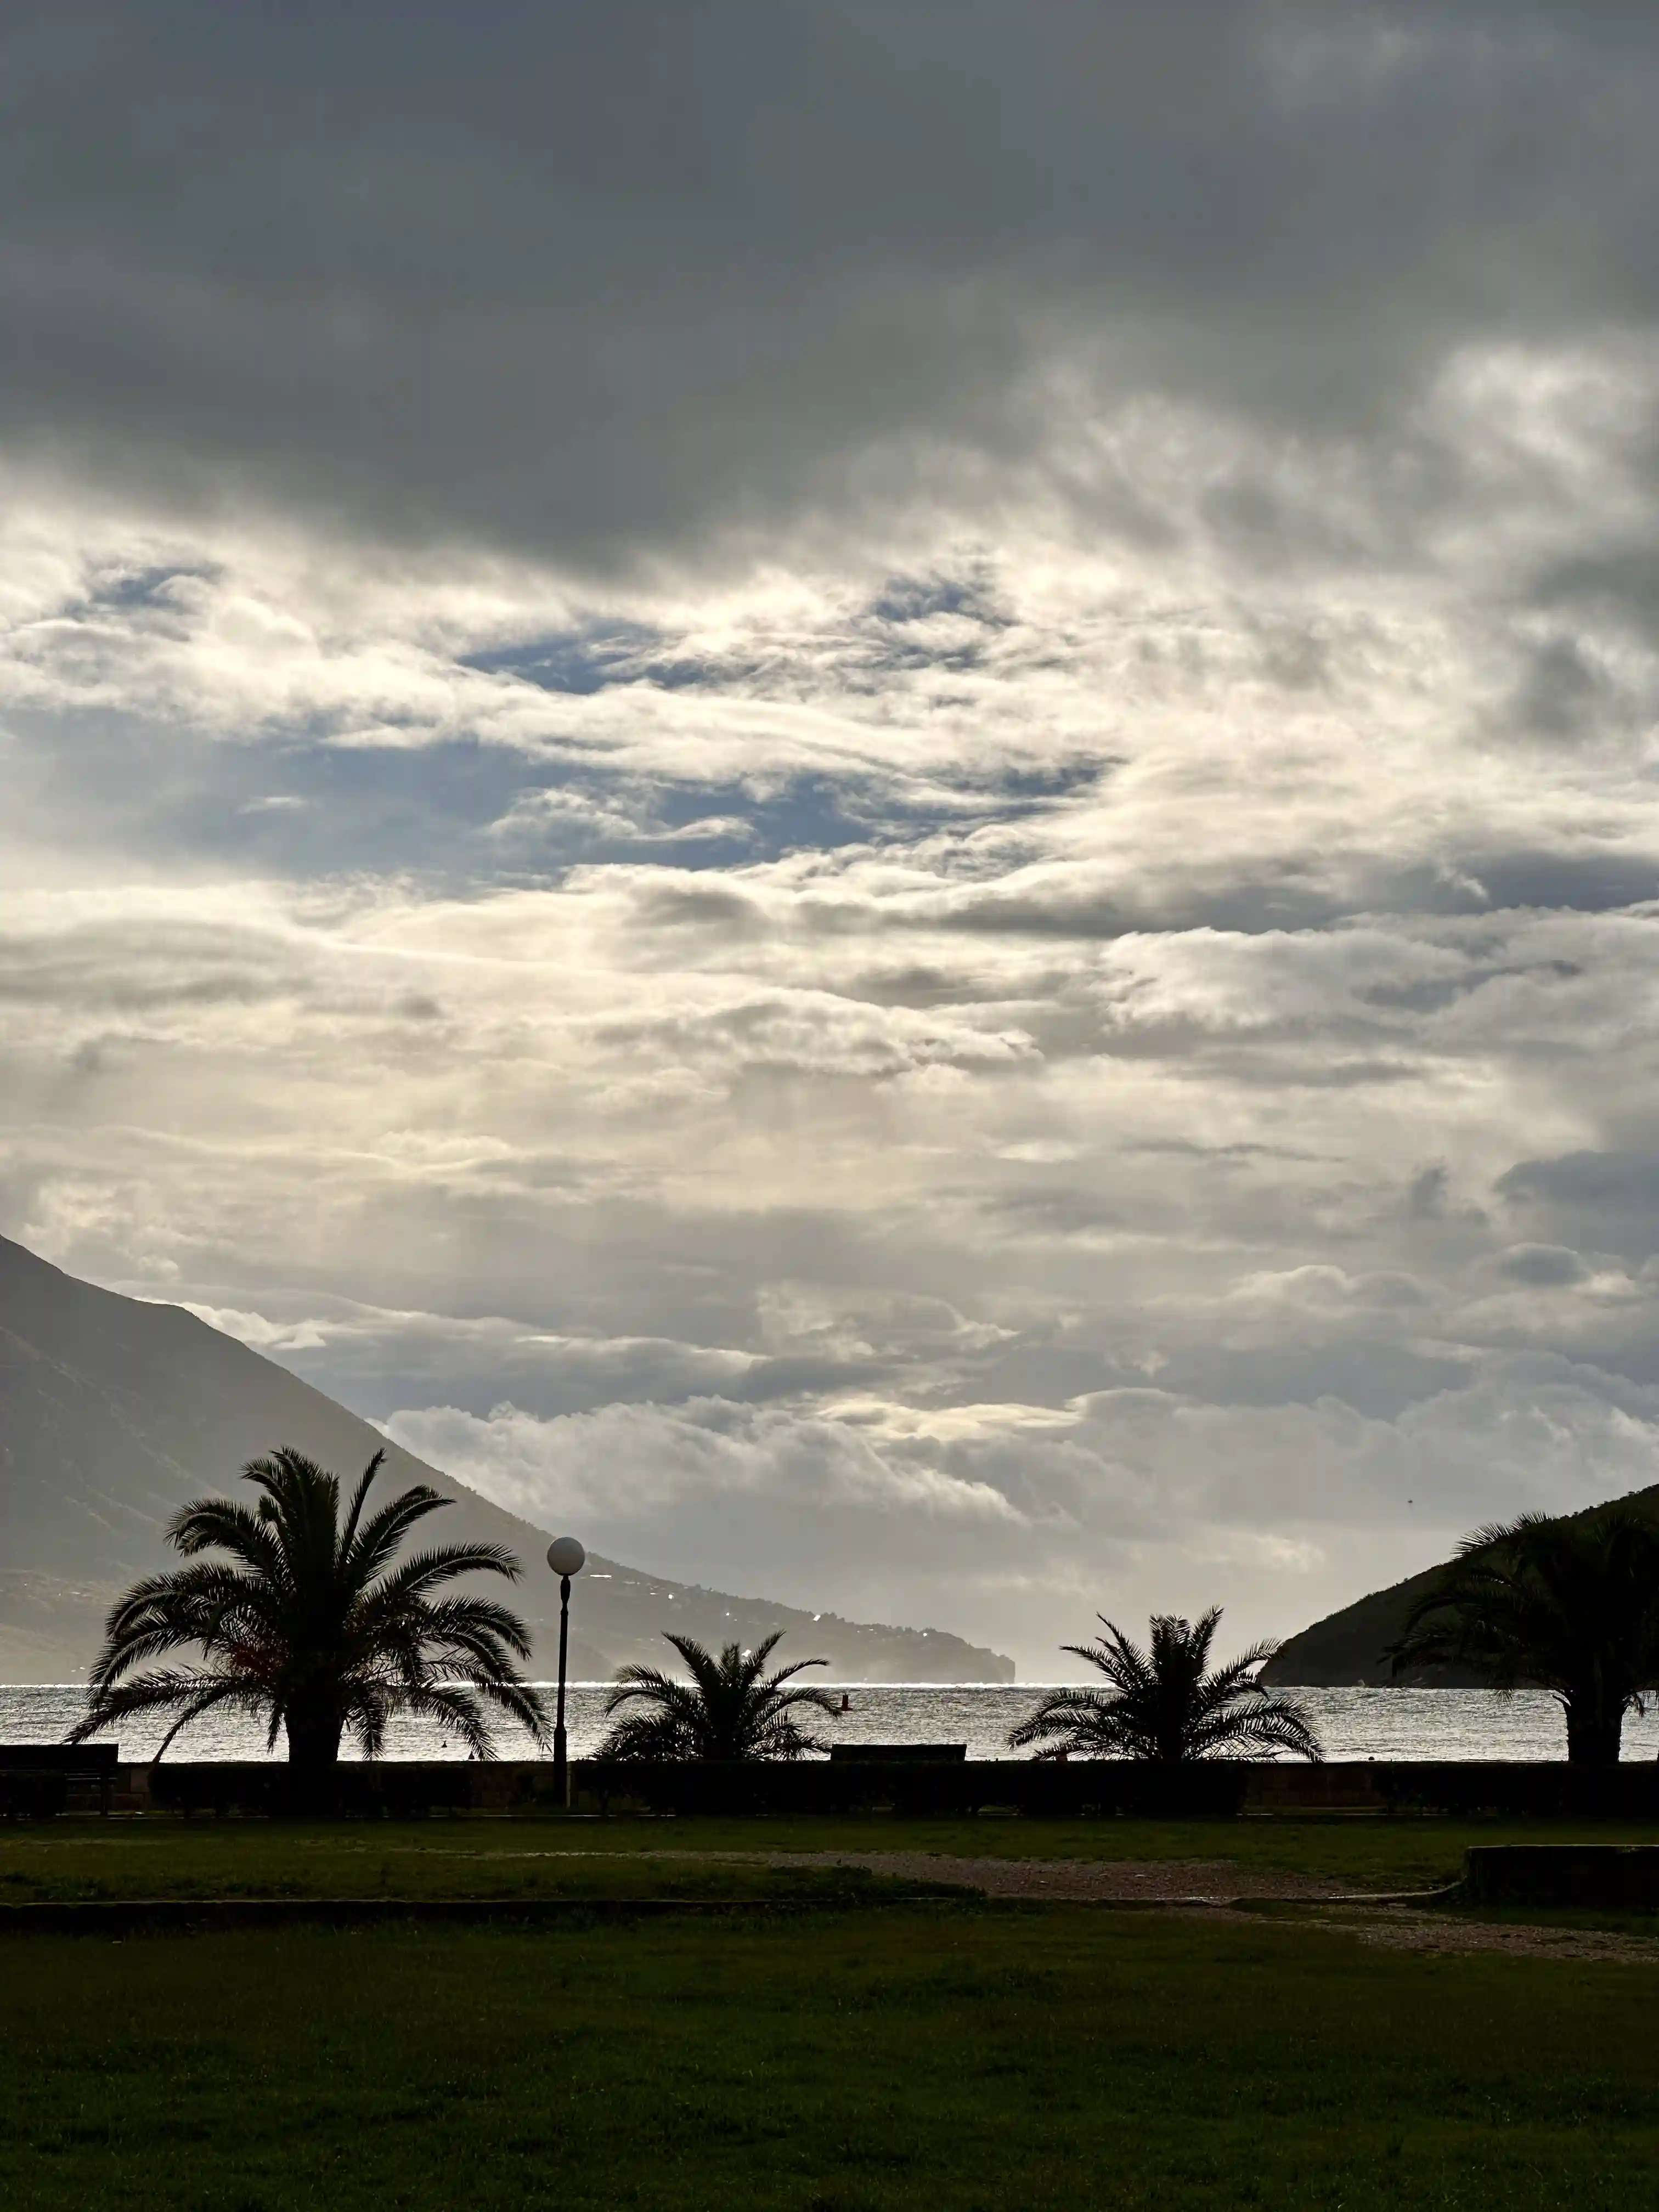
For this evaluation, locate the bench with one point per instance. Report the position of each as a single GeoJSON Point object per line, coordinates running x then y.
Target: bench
{"type": "Point", "coordinates": [865, 1754]}
{"type": "Point", "coordinates": [37, 1780]}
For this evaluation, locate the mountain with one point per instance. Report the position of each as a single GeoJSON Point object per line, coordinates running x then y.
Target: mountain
{"type": "Point", "coordinates": [113, 1412]}
{"type": "Point", "coordinates": [1347, 1647]}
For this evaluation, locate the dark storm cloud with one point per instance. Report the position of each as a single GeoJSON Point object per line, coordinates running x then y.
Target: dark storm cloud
{"type": "Point", "coordinates": [1619, 584]}
{"type": "Point", "coordinates": [1543, 1266]}
{"type": "Point", "coordinates": [601, 277]}
{"type": "Point", "coordinates": [773, 764]}
{"type": "Point", "coordinates": [1600, 1201]}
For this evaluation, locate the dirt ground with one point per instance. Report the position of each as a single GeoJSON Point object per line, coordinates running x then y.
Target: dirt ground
{"type": "Point", "coordinates": [1399, 1929]}
{"type": "Point", "coordinates": [1216, 1885]}
{"type": "Point", "coordinates": [1219, 1883]}
{"type": "Point", "coordinates": [1165, 1881]}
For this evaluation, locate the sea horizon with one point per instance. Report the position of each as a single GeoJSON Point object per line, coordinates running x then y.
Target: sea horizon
{"type": "Point", "coordinates": [1404, 1722]}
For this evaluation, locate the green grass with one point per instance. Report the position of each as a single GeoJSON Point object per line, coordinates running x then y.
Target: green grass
{"type": "Point", "coordinates": [538, 1857]}
{"type": "Point", "coordinates": [1629, 1920]}
{"type": "Point", "coordinates": [400, 1860]}
{"type": "Point", "coordinates": [958, 2060]}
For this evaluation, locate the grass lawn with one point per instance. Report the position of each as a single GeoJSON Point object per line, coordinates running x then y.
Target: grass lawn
{"type": "Point", "coordinates": [537, 1857]}
{"type": "Point", "coordinates": [954, 2059]}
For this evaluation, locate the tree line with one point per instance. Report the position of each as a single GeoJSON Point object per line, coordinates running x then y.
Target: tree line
{"type": "Point", "coordinates": [312, 1615]}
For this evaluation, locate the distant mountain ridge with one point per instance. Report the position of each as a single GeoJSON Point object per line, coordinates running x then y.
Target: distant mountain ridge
{"type": "Point", "coordinates": [1345, 1648]}
{"type": "Point", "coordinates": [114, 1411]}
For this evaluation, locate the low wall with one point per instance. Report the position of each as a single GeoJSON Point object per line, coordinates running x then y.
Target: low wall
{"type": "Point", "coordinates": [1563, 1873]}
{"type": "Point", "coordinates": [1220, 1789]}
{"type": "Point", "coordinates": [37, 1781]}
{"type": "Point", "coordinates": [1538, 1790]}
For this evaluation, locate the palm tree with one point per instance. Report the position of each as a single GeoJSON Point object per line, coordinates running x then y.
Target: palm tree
{"type": "Point", "coordinates": [310, 1625]}
{"type": "Point", "coordinates": [1163, 1706]}
{"type": "Point", "coordinates": [1567, 1606]}
{"type": "Point", "coordinates": [730, 1709]}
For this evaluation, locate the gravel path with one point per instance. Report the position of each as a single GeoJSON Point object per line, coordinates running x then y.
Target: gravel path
{"type": "Point", "coordinates": [1187, 1881]}
{"type": "Point", "coordinates": [1214, 1883]}
{"type": "Point", "coordinates": [1156, 1881]}
{"type": "Point", "coordinates": [1403, 1930]}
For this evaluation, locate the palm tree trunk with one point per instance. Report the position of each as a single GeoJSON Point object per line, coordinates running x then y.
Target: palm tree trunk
{"type": "Point", "coordinates": [1593, 1739]}
{"type": "Point", "coordinates": [313, 1753]}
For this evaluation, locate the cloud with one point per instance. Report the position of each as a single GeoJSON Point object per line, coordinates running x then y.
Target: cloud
{"type": "Point", "coordinates": [1547, 1265]}
{"type": "Point", "coordinates": [876, 788]}
{"type": "Point", "coordinates": [1609, 1200]}
{"type": "Point", "coordinates": [663, 277]}
{"type": "Point", "coordinates": [635, 1463]}
{"type": "Point", "coordinates": [1126, 1499]}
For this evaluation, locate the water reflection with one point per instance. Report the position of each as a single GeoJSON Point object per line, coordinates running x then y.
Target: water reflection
{"type": "Point", "coordinates": [1358, 1723]}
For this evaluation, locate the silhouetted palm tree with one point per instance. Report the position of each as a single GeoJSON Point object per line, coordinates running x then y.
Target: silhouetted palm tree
{"type": "Point", "coordinates": [730, 1709]}
{"type": "Point", "coordinates": [1162, 1705]}
{"type": "Point", "coordinates": [1567, 1606]}
{"type": "Point", "coordinates": [310, 1625]}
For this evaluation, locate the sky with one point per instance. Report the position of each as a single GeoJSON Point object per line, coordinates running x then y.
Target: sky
{"type": "Point", "coordinates": [864, 795]}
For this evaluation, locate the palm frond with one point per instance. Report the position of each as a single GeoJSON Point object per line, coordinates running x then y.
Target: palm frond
{"type": "Point", "coordinates": [662, 1734]}
{"type": "Point", "coordinates": [354, 1511]}
{"type": "Point", "coordinates": [636, 1681]}
{"type": "Point", "coordinates": [429, 1570]}
{"type": "Point", "coordinates": [730, 1709]}
{"type": "Point", "coordinates": [291, 1623]}
{"type": "Point", "coordinates": [1163, 1705]}
{"type": "Point", "coordinates": [705, 1668]}
{"type": "Point", "coordinates": [190, 1694]}
{"type": "Point", "coordinates": [221, 1524]}
{"type": "Point", "coordinates": [379, 1541]}
{"type": "Point", "coordinates": [1569, 1606]}
{"type": "Point", "coordinates": [1259, 1723]}
{"type": "Point", "coordinates": [475, 1625]}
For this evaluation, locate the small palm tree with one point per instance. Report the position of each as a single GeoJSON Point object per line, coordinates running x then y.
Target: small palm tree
{"type": "Point", "coordinates": [730, 1709]}
{"type": "Point", "coordinates": [310, 1625]}
{"type": "Point", "coordinates": [1567, 1606]}
{"type": "Point", "coordinates": [1163, 1706]}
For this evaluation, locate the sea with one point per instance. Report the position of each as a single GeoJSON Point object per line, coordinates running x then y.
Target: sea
{"type": "Point", "coordinates": [1353, 1724]}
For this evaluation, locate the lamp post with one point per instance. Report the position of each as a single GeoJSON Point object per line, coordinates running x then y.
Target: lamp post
{"type": "Point", "coordinates": [565, 1555]}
